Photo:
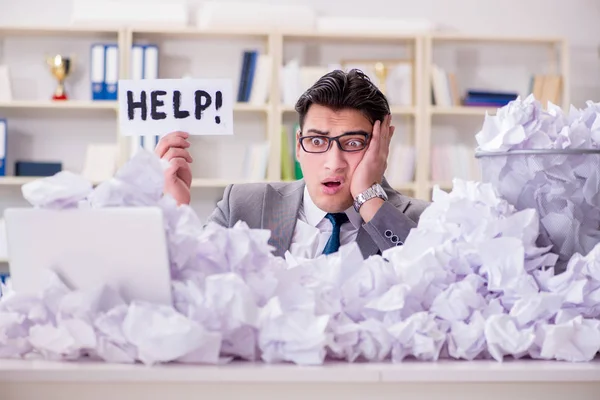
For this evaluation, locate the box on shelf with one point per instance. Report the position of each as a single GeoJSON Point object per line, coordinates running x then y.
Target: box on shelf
{"type": "Point", "coordinates": [37, 168]}
{"type": "Point", "coordinates": [235, 15]}
{"type": "Point", "coordinates": [138, 13]}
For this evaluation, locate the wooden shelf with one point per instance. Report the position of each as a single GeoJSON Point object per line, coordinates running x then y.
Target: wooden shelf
{"type": "Point", "coordinates": [215, 183]}
{"type": "Point", "coordinates": [458, 37]}
{"type": "Point", "coordinates": [58, 31]}
{"type": "Point", "coordinates": [463, 110]}
{"type": "Point", "coordinates": [351, 36]}
{"type": "Point", "coordinates": [405, 187]}
{"type": "Point", "coordinates": [196, 183]}
{"type": "Point", "coordinates": [446, 186]}
{"type": "Point", "coordinates": [67, 105]}
{"type": "Point", "coordinates": [248, 107]}
{"type": "Point", "coordinates": [403, 110]}
{"type": "Point", "coordinates": [16, 180]}
{"type": "Point", "coordinates": [21, 180]}
{"type": "Point", "coordinates": [183, 33]}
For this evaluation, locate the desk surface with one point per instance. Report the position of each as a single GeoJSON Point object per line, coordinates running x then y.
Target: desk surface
{"type": "Point", "coordinates": [409, 371]}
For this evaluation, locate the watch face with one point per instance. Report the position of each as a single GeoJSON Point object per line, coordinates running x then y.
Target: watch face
{"type": "Point", "coordinates": [381, 192]}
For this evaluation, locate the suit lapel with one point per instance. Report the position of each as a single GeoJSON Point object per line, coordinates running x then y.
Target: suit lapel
{"type": "Point", "coordinates": [280, 212]}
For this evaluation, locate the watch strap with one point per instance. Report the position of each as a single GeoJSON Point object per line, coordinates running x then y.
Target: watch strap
{"type": "Point", "coordinates": [374, 191]}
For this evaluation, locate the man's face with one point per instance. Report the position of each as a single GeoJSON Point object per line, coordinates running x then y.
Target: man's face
{"type": "Point", "coordinates": [328, 175]}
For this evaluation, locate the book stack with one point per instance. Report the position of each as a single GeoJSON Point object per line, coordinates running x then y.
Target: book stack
{"type": "Point", "coordinates": [254, 168]}
{"type": "Point", "coordinates": [444, 88]}
{"type": "Point", "coordinates": [483, 98]}
{"type": "Point", "coordinates": [445, 92]}
{"type": "Point", "coordinates": [546, 88]}
{"type": "Point", "coordinates": [255, 78]}
{"type": "Point", "coordinates": [290, 167]}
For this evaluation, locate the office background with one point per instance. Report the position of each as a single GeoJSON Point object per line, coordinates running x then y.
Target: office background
{"type": "Point", "coordinates": [39, 132]}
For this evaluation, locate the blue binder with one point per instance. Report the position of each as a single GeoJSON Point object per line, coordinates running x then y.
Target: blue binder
{"type": "Point", "coordinates": [98, 71]}
{"type": "Point", "coordinates": [111, 76]}
{"type": "Point", "coordinates": [3, 145]}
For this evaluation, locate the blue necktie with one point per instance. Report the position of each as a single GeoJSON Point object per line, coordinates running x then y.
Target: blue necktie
{"type": "Point", "coordinates": [333, 244]}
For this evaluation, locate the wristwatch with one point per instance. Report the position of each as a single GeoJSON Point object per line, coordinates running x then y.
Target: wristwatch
{"type": "Point", "coordinates": [374, 191]}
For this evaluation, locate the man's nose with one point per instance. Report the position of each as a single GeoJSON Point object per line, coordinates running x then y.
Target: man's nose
{"type": "Point", "coordinates": [336, 158]}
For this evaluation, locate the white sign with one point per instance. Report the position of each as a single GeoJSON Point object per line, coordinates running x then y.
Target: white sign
{"type": "Point", "coordinates": [161, 106]}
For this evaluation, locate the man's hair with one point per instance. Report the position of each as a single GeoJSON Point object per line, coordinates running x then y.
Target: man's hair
{"type": "Point", "coordinates": [338, 90]}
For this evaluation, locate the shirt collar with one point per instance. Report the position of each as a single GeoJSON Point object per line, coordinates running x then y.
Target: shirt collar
{"type": "Point", "coordinates": [314, 214]}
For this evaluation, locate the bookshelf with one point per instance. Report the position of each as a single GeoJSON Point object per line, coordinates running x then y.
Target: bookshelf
{"type": "Point", "coordinates": [220, 159]}
{"type": "Point", "coordinates": [534, 55]}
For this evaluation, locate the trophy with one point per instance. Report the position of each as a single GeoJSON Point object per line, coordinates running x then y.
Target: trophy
{"type": "Point", "coordinates": [381, 72]}
{"type": "Point", "coordinates": [60, 67]}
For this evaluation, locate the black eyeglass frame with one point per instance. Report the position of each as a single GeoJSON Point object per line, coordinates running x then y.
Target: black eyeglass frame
{"type": "Point", "coordinates": [334, 139]}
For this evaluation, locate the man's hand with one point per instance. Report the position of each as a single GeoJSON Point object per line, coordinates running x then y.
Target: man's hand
{"type": "Point", "coordinates": [371, 168]}
{"type": "Point", "coordinates": [373, 164]}
{"type": "Point", "coordinates": [178, 177]}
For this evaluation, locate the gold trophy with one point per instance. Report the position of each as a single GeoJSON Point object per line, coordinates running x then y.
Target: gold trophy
{"type": "Point", "coordinates": [60, 67]}
{"type": "Point", "coordinates": [381, 71]}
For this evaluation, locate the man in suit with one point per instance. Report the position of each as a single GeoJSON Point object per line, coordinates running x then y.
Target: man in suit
{"type": "Point", "coordinates": [342, 146]}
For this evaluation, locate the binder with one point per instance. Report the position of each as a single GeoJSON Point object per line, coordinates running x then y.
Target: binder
{"type": "Point", "coordinates": [137, 62]}
{"type": "Point", "coordinates": [250, 77]}
{"type": "Point", "coordinates": [144, 65]}
{"type": "Point", "coordinates": [3, 145]}
{"type": "Point", "coordinates": [145, 142]}
{"type": "Point", "coordinates": [150, 61]}
{"type": "Point", "coordinates": [111, 57]}
{"type": "Point", "coordinates": [149, 142]}
{"type": "Point", "coordinates": [243, 74]}
{"type": "Point", "coordinates": [136, 72]}
{"type": "Point", "coordinates": [97, 69]}
{"type": "Point", "coordinates": [150, 71]}
{"type": "Point", "coordinates": [136, 145]}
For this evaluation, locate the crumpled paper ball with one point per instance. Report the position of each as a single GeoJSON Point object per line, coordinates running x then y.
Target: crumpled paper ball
{"type": "Point", "coordinates": [470, 282]}
{"type": "Point", "coordinates": [548, 160]}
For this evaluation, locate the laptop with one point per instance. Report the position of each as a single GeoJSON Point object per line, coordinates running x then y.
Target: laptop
{"type": "Point", "coordinates": [124, 247]}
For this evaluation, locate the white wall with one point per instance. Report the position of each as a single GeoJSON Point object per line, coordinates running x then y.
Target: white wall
{"type": "Point", "coordinates": [577, 20]}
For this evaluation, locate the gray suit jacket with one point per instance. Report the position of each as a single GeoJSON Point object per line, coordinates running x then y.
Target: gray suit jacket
{"type": "Point", "coordinates": [275, 206]}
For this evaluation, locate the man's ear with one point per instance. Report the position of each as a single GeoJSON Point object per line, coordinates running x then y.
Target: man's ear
{"type": "Point", "coordinates": [298, 147]}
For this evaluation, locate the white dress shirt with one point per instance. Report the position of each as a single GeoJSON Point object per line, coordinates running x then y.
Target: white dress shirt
{"type": "Point", "coordinates": [313, 230]}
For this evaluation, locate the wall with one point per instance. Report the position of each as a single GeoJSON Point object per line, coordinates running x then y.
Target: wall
{"type": "Point", "coordinates": [577, 20]}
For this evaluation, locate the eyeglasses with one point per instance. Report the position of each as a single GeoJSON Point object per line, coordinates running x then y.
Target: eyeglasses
{"type": "Point", "coordinates": [349, 142]}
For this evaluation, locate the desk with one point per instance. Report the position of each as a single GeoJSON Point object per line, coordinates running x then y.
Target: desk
{"type": "Point", "coordinates": [448, 380]}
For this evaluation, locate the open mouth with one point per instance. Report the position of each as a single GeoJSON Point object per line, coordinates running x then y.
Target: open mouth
{"type": "Point", "coordinates": [333, 183]}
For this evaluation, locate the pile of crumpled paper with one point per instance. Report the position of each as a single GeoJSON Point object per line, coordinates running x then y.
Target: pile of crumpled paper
{"type": "Point", "coordinates": [470, 282]}
{"type": "Point", "coordinates": [548, 160]}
